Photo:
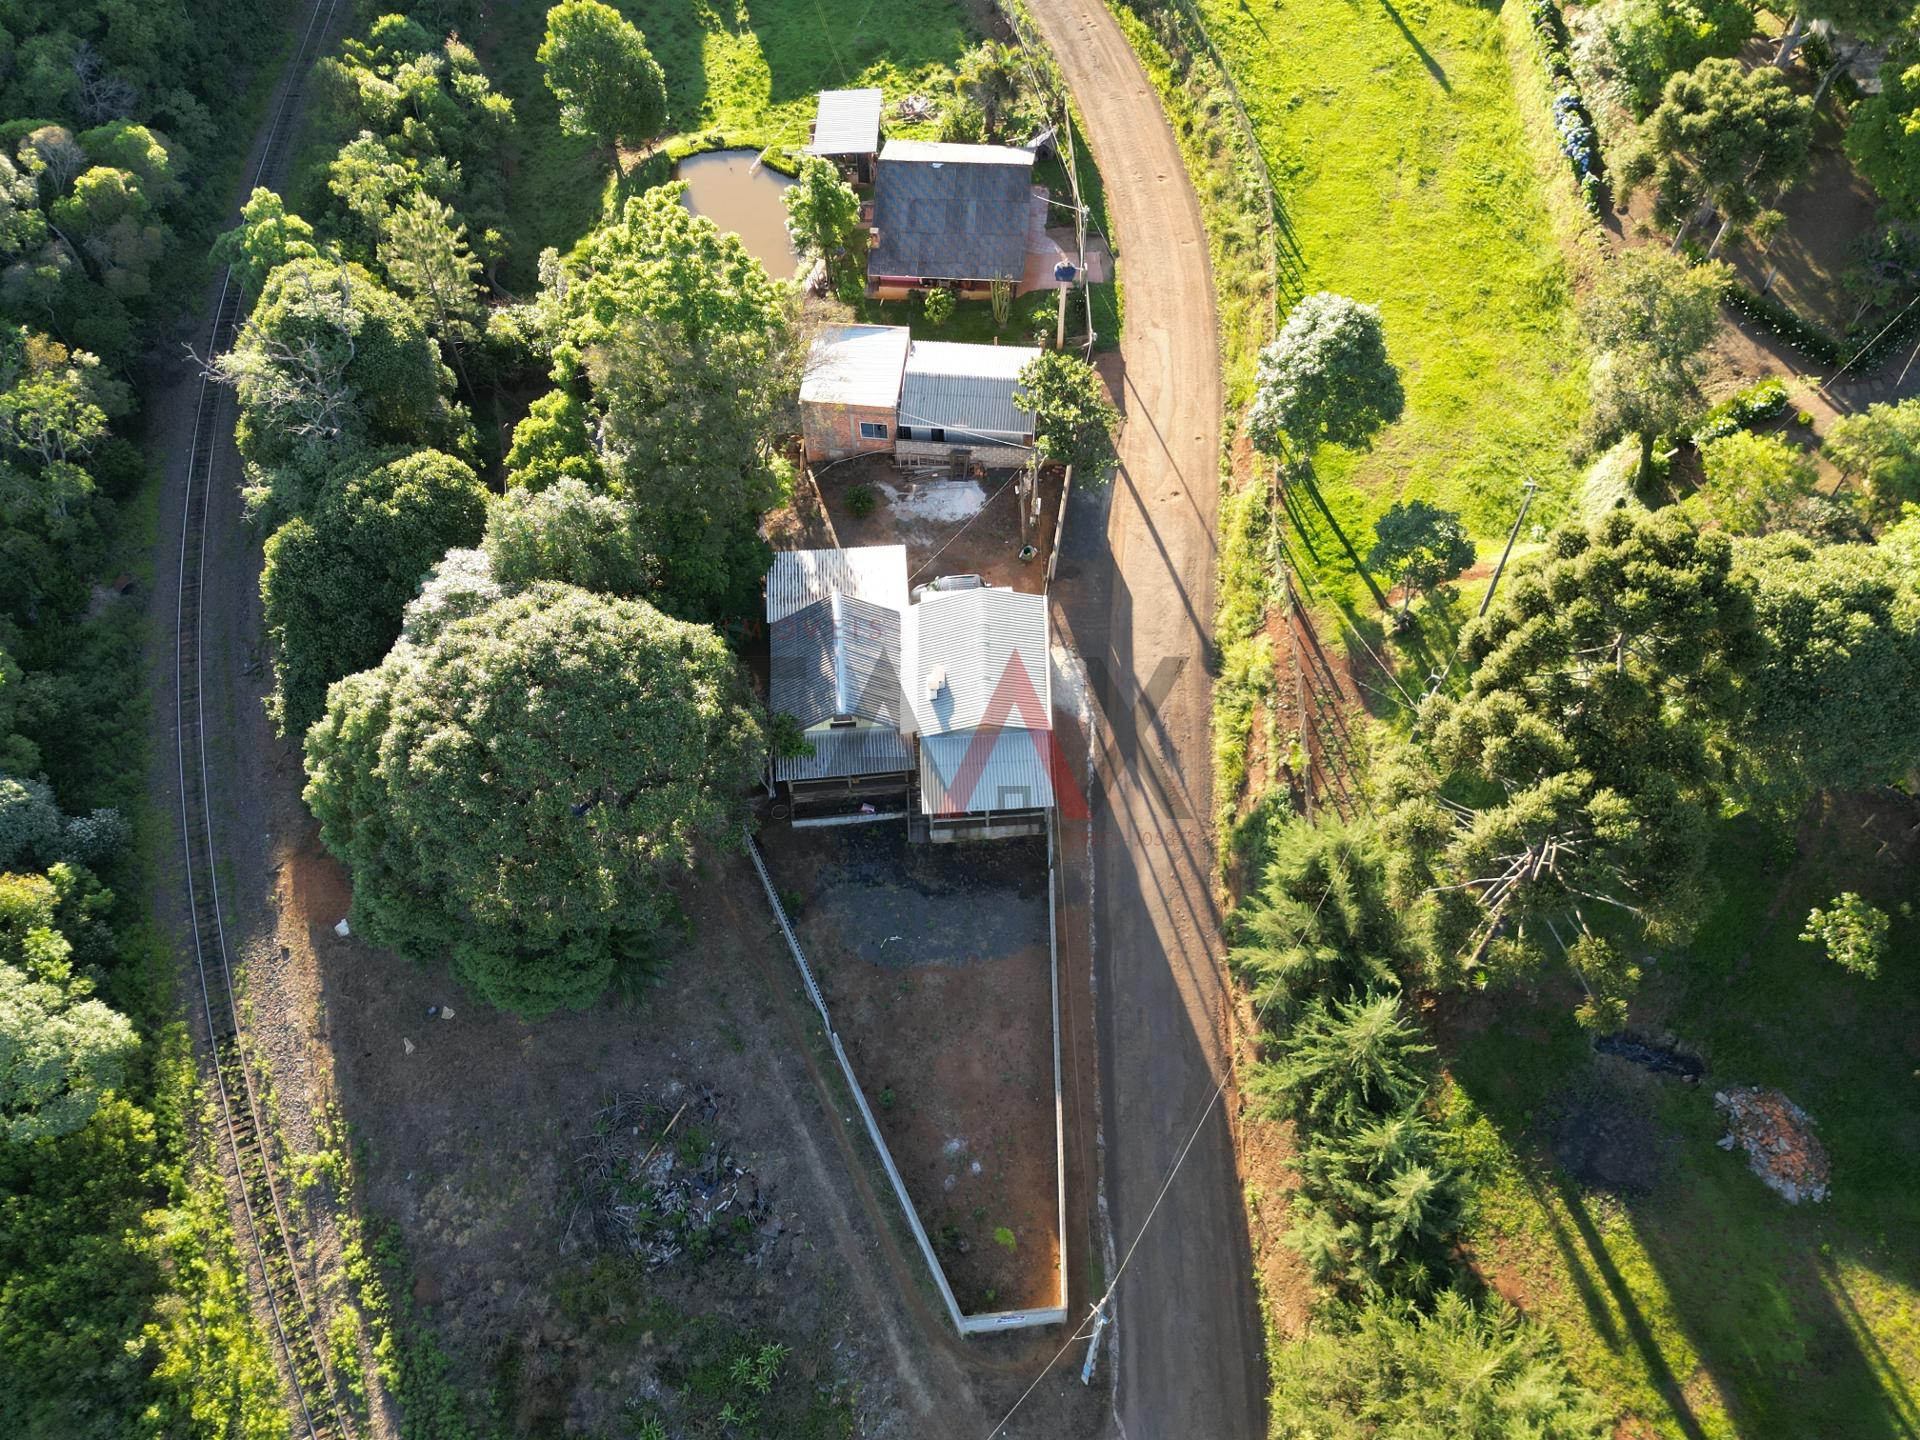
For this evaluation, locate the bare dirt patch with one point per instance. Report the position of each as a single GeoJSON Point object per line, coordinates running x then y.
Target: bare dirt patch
{"type": "Point", "coordinates": [933, 960]}
{"type": "Point", "coordinates": [960, 526]}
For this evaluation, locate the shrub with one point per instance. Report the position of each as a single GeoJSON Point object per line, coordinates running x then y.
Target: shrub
{"type": "Point", "coordinates": [939, 306]}
{"type": "Point", "coordinates": [860, 501]}
{"type": "Point", "coordinates": [1743, 410]}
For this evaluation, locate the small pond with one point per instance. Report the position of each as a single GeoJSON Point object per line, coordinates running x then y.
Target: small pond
{"type": "Point", "coordinates": [736, 192]}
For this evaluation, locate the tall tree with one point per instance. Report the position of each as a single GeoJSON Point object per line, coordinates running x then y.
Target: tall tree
{"type": "Point", "coordinates": [1724, 138]}
{"type": "Point", "coordinates": [1325, 377]}
{"type": "Point", "coordinates": [1465, 1372]}
{"type": "Point", "coordinates": [1881, 446]}
{"type": "Point", "coordinates": [1344, 1063]}
{"type": "Point", "coordinates": [989, 80]}
{"type": "Point", "coordinates": [335, 583]}
{"type": "Point", "coordinates": [425, 255]}
{"type": "Point", "coordinates": [694, 361]}
{"type": "Point", "coordinates": [609, 86]}
{"type": "Point", "coordinates": [1578, 770]}
{"type": "Point", "coordinates": [523, 789]}
{"type": "Point", "coordinates": [1074, 420]}
{"type": "Point", "coordinates": [1753, 482]}
{"type": "Point", "coordinates": [61, 1050]}
{"type": "Point", "coordinates": [553, 443]}
{"type": "Point", "coordinates": [267, 237]}
{"type": "Point", "coordinates": [1652, 316]}
{"type": "Point", "coordinates": [566, 532]}
{"type": "Point", "coordinates": [822, 210]}
{"type": "Point", "coordinates": [1883, 139]}
{"type": "Point", "coordinates": [1421, 546]}
{"type": "Point", "coordinates": [1831, 697]}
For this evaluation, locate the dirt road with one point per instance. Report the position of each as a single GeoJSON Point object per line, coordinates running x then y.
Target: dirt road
{"type": "Point", "coordinates": [1141, 614]}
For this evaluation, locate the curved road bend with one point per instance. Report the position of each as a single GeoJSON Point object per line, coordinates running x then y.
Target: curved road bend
{"type": "Point", "coordinates": [1190, 1364]}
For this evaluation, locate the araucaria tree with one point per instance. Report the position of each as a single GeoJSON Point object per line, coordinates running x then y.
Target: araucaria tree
{"type": "Point", "coordinates": [1652, 317]}
{"type": "Point", "coordinates": [1073, 416]}
{"type": "Point", "coordinates": [609, 86]}
{"type": "Point", "coordinates": [1421, 546]}
{"type": "Point", "coordinates": [521, 790]}
{"type": "Point", "coordinates": [822, 210]}
{"type": "Point", "coordinates": [1325, 377]}
{"type": "Point", "coordinates": [1577, 773]}
{"type": "Point", "coordinates": [1723, 139]}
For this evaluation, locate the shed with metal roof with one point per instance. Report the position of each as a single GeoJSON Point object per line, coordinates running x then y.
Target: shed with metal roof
{"type": "Point", "coordinates": [956, 397]}
{"type": "Point", "coordinates": [875, 573]}
{"type": "Point", "coordinates": [850, 389]}
{"type": "Point", "coordinates": [846, 128]}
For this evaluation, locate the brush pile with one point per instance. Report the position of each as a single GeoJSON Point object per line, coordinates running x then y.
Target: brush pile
{"type": "Point", "coordinates": [659, 1181]}
{"type": "Point", "coordinates": [1778, 1138]}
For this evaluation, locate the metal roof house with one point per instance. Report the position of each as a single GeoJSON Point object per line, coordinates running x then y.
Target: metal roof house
{"type": "Point", "coordinates": [945, 215]}
{"type": "Point", "coordinates": [850, 390]}
{"type": "Point", "coordinates": [846, 130]}
{"type": "Point", "coordinates": [869, 389]}
{"type": "Point", "coordinates": [834, 620]}
{"type": "Point", "coordinates": [958, 405]}
{"type": "Point", "coordinates": [980, 690]}
{"type": "Point", "coordinates": [940, 711]}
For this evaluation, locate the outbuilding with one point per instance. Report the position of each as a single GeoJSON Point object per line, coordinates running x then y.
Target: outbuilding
{"type": "Point", "coordinates": [850, 391]}
{"type": "Point", "coordinates": [846, 130]}
{"type": "Point", "coordinates": [958, 406]}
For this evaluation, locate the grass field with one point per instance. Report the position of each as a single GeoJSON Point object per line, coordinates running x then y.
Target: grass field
{"type": "Point", "coordinates": [1397, 146]}
{"type": "Point", "coordinates": [1682, 1289]}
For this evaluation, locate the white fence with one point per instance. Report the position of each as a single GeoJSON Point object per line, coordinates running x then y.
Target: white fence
{"type": "Point", "coordinates": [997, 1320]}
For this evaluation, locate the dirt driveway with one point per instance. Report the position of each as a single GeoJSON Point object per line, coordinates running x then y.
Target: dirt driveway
{"type": "Point", "coordinates": [1141, 602]}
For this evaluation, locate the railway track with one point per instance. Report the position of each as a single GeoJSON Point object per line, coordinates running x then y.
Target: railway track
{"type": "Point", "coordinates": [269, 1241]}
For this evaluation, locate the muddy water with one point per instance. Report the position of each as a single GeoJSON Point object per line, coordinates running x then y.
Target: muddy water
{"type": "Point", "coordinates": [729, 188]}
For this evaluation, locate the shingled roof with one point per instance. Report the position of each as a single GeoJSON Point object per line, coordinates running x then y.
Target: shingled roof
{"type": "Point", "coordinates": [951, 212]}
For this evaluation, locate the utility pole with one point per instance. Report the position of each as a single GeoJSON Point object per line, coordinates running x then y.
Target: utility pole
{"type": "Point", "coordinates": [1512, 535]}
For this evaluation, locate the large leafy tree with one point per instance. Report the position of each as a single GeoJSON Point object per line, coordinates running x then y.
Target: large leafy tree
{"type": "Point", "coordinates": [1881, 446]}
{"type": "Point", "coordinates": [267, 237]}
{"type": "Point", "coordinates": [1832, 694]}
{"type": "Point", "coordinates": [330, 362]}
{"type": "Point", "coordinates": [1578, 771]}
{"type": "Point", "coordinates": [1883, 139]}
{"type": "Point", "coordinates": [1753, 482]}
{"type": "Point", "coordinates": [61, 1050]}
{"type": "Point", "coordinates": [521, 789]}
{"type": "Point", "coordinates": [1073, 417]}
{"type": "Point", "coordinates": [566, 532]}
{"type": "Point", "coordinates": [693, 357]}
{"type": "Point", "coordinates": [552, 443]}
{"type": "Point", "coordinates": [1724, 138]}
{"type": "Point", "coordinates": [1420, 545]}
{"type": "Point", "coordinates": [822, 210]}
{"type": "Point", "coordinates": [1461, 1371]}
{"type": "Point", "coordinates": [335, 582]}
{"type": "Point", "coordinates": [1325, 377]}
{"type": "Point", "coordinates": [1652, 316]}
{"type": "Point", "coordinates": [609, 86]}
{"type": "Point", "coordinates": [1652, 39]}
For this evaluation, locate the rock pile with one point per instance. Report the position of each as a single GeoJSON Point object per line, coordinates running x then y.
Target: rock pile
{"type": "Point", "coordinates": [1778, 1138]}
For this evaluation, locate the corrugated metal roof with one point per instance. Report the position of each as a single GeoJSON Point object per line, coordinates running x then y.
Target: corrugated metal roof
{"type": "Point", "coordinates": [952, 212]}
{"type": "Point", "coordinates": [988, 769]}
{"type": "Point", "coordinates": [877, 573]}
{"type": "Point", "coordinates": [966, 389]}
{"type": "Point", "coordinates": [846, 122]}
{"type": "Point", "coordinates": [985, 654]}
{"type": "Point", "coordinates": [847, 752]}
{"type": "Point", "coordinates": [856, 365]}
{"type": "Point", "coordinates": [839, 656]}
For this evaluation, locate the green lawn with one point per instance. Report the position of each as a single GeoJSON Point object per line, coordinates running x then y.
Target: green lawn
{"type": "Point", "coordinates": [1398, 148]}
{"type": "Point", "coordinates": [1691, 1296]}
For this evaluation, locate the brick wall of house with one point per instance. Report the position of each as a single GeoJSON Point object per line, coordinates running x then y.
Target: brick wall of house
{"type": "Point", "coordinates": [832, 432]}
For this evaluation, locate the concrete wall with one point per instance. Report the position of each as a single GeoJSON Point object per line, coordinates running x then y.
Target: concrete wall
{"type": "Point", "coordinates": [832, 432]}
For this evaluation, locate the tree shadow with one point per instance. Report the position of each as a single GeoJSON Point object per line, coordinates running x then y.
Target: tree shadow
{"type": "Point", "coordinates": [1433, 65]}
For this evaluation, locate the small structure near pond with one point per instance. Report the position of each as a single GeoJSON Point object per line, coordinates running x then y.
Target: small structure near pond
{"type": "Point", "coordinates": [846, 130]}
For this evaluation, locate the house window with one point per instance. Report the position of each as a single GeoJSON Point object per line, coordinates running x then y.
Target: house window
{"type": "Point", "coordinates": [873, 430]}
{"type": "Point", "coordinates": [841, 722]}
{"type": "Point", "coordinates": [939, 436]}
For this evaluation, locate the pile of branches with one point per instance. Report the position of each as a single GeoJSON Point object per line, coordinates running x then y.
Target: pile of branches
{"type": "Point", "coordinates": [658, 1181]}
